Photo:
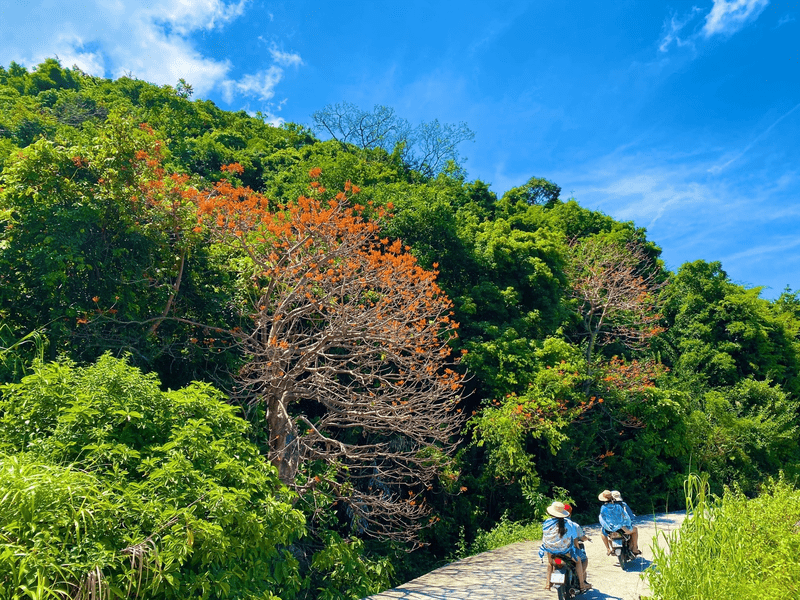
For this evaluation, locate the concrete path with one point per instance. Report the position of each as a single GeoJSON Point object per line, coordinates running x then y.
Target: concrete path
{"type": "Point", "coordinates": [515, 572]}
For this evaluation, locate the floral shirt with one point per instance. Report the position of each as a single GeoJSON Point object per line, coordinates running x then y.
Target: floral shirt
{"type": "Point", "coordinates": [554, 543]}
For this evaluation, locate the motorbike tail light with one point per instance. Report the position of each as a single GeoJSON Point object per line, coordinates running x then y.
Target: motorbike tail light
{"type": "Point", "coordinates": [558, 562]}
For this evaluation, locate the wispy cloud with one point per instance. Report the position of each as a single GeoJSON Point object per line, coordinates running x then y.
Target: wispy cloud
{"type": "Point", "coordinates": [285, 59]}
{"type": "Point", "coordinates": [259, 85]}
{"type": "Point", "coordinates": [674, 28]}
{"type": "Point", "coordinates": [693, 215]}
{"type": "Point", "coordinates": [715, 169]}
{"type": "Point", "coordinates": [729, 16]}
{"type": "Point", "coordinates": [726, 17]}
{"type": "Point", "coordinates": [777, 246]}
{"type": "Point", "coordinates": [153, 41]}
{"type": "Point", "coordinates": [634, 187]}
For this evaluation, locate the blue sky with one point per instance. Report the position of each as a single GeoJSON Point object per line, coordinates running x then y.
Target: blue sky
{"type": "Point", "coordinates": [683, 117]}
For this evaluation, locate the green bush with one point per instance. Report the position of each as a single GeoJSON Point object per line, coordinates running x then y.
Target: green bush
{"type": "Point", "coordinates": [731, 546]}
{"type": "Point", "coordinates": [504, 533]}
{"type": "Point", "coordinates": [109, 484]}
{"type": "Point", "coordinates": [342, 571]}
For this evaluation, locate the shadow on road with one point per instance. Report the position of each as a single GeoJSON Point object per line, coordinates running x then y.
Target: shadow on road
{"type": "Point", "coordinates": [515, 572]}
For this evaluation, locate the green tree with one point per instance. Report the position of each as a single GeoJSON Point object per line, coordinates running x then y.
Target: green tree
{"type": "Point", "coordinates": [744, 433]}
{"type": "Point", "coordinates": [721, 333]}
{"type": "Point", "coordinates": [96, 242]}
{"type": "Point", "coordinates": [536, 191]}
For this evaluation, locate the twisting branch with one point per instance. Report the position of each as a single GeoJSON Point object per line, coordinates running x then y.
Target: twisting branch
{"type": "Point", "coordinates": [615, 286]}
{"type": "Point", "coordinates": [348, 327]}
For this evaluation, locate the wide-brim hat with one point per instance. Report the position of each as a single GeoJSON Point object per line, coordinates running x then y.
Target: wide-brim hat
{"type": "Point", "coordinates": [605, 496]}
{"type": "Point", "coordinates": [556, 509]}
{"type": "Point", "coordinates": [616, 495]}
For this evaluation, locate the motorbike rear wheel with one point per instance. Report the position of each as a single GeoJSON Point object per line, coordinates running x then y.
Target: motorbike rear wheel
{"type": "Point", "coordinates": [621, 559]}
{"type": "Point", "coordinates": [562, 592]}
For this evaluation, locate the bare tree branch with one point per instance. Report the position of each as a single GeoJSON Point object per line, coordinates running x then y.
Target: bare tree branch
{"type": "Point", "coordinates": [426, 148]}
{"type": "Point", "coordinates": [615, 285]}
{"type": "Point", "coordinates": [350, 328]}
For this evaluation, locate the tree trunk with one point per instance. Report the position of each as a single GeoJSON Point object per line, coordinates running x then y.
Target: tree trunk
{"type": "Point", "coordinates": [175, 288]}
{"type": "Point", "coordinates": [587, 383]}
{"type": "Point", "coordinates": [283, 444]}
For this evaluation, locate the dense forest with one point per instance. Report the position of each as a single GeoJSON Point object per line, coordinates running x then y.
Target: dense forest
{"type": "Point", "coordinates": [244, 361]}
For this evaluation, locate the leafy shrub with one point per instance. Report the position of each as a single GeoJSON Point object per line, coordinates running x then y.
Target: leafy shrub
{"type": "Point", "coordinates": [504, 533]}
{"type": "Point", "coordinates": [109, 483]}
{"type": "Point", "coordinates": [341, 570]}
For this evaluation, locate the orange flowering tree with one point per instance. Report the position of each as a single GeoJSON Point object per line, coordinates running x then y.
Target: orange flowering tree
{"type": "Point", "coordinates": [347, 352]}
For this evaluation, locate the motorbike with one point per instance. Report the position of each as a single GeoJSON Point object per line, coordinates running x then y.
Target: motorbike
{"type": "Point", "coordinates": [565, 577]}
{"type": "Point", "coordinates": [621, 545]}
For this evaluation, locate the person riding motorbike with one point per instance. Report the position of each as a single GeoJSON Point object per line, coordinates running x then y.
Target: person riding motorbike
{"type": "Point", "coordinates": [618, 499]}
{"type": "Point", "coordinates": [559, 539]}
{"type": "Point", "coordinates": [579, 535]}
{"type": "Point", "coordinates": [614, 517]}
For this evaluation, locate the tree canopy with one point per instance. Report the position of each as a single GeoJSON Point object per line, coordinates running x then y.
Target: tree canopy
{"type": "Point", "coordinates": [231, 367]}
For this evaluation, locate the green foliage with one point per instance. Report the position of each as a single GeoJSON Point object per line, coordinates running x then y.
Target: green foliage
{"type": "Point", "coordinates": [93, 247]}
{"type": "Point", "coordinates": [55, 523]}
{"type": "Point", "coordinates": [632, 437]}
{"type": "Point", "coordinates": [535, 191]}
{"type": "Point", "coordinates": [341, 570]}
{"type": "Point", "coordinates": [744, 433]}
{"type": "Point", "coordinates": [89, 268]}
{"type": "Point", "coordinates": [731, 546]}
{"type": "Point", "coordinates": [553, 399]}
{"type": "Point", "coordinates": [720, 332]}
{"type": "Point", "coordinates": [504, 533]}
{"type": "Point", "coordinates": [159, 492]}
{"type": "Point", "coordinates": [16, 354]}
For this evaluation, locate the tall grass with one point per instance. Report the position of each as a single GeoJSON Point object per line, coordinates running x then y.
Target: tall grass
{"type": "Point", "coordinates": [731, 547]}
{"type": "Point", "coordinates": [47, 513]}
{"type": "Point", "coordinates": [17, 353]}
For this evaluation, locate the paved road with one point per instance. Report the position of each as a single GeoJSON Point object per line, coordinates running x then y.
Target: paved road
{"type": "Point", "coordinates": [515, 572]}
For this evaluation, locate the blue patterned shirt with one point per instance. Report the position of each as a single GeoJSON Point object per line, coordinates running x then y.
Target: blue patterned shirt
{"type": "Point", "coordinates": [613, 516]}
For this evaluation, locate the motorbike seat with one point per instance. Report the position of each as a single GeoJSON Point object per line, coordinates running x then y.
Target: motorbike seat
{"type": "Point", "coordinates": [564, 557]}
{"type": "Point", "coordinates": [620, 533]}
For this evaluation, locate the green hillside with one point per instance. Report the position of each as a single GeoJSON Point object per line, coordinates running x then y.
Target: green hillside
{"type": "Point", "coordinates": [225, 377]}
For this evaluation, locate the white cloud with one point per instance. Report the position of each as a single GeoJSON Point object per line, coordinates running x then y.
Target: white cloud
{"type": "Point", "coordinates": [89, 62]}
{"type": "Point", "coordinates": [673, 29]}
{"type": "Point", "coordinates": [727, 17]}
{"type": "Point", "coordinates": [152, 41]}
{"type": "Point", "coordinates": [186, 16]}
{"type": "Point", "coordinates": [285, 59]}
{"type": "Point", "coordinates": [272, 119]}
{"type": "Point", "coordinates": [260, 85]}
